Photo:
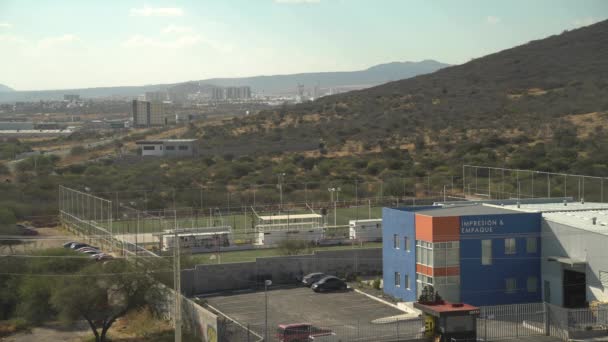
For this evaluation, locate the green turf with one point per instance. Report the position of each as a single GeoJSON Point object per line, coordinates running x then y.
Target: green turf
{"type": "Point", "coordinates": [250, 255]}
{"type": "Point", "coordinates": [239, 222]}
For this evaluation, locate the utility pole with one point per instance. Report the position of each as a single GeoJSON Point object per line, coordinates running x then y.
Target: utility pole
{"type": "Point", "coordinates": [267, 283]}
{"type": "Point", "coordinates": [280, 184]}
{"type": "Point", "coordinates": [177, 281]}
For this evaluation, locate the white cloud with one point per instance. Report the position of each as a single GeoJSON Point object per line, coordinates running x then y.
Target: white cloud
{"type": "Point", "coordinates": [5, 25]}
{"type": "Point", "coordinates": [59, 40]}
{"type": "Point", "coordinates": [297, 2]}
{"type": "Point", "coordinates": [580, 22]}
{"type": "Point", "coordinates": [176, 37]}
{"type": "Point", "coordinates": [492, 20]}
{"type": "Point", "coordinates": [177, 29]}
{"type": "Point", "coordinates": [156, 12]}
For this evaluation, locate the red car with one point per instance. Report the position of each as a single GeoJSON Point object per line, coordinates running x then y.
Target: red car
{"type": "Point", "coordinates": [299, 332]}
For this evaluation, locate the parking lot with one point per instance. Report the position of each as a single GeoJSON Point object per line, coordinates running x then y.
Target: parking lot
{"type": "Point", "coordinates": [348, 314]}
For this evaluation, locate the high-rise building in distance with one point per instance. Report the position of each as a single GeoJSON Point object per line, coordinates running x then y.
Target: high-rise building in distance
{"type": "Point", "coordinates": [156, 96]}
{"type": "Point", "coordinates": [231, 93]}
{"type": "Point", "coordinates": [146, 113]}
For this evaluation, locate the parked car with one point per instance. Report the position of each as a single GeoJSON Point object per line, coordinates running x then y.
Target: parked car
{"type": "Point", "coordinates": [299, 332]}
{"type": "Point", "coordinates": [312, 278]}
{"type": "Point", "coordinates": [102, 257]}
{"type": "Point", "coordinates": [328, 284]}
{"type": "Point", "coordinates": [88, 248]}
{"type": "Point", "coordinates": [77, 245]}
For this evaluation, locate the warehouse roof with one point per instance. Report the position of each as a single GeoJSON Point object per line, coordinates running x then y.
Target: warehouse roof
{"type": "Point", "coordinates": [163, 141]}
{"type": "Point", "coordinates": [575, 214]}
{"type": "Point", "coordinates": [466, 210]}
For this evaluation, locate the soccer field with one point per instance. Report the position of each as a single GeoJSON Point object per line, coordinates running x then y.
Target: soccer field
{"type": "Point", "coordinates": [240, 222]}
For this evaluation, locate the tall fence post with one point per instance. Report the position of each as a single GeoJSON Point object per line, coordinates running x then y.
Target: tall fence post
{"type": "Point", "coordinates": [546, 318]}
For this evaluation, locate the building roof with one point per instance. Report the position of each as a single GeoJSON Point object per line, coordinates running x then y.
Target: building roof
{"type": "Point", "coordinates": [163, 141]}
{"type": "Point", "coordinates": [290, 217]}
{"type": "Point", "coordinates": [574, 214]}
{"type": "Point", "coordinates": [445, 308]}
{"type": "Point", "coordinates": [466, 210]}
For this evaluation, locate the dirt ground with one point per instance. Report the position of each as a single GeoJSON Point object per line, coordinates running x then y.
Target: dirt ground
{"type": "Point", "coordinates": [52, 332]}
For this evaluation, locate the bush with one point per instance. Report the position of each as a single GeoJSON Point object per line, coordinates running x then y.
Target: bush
{"type": "Point", "coordinates": [78, 150]}
{"type": "Point", "coordinates": [376, 283]}
{"type": "Point", "coordinates": [293, 247]}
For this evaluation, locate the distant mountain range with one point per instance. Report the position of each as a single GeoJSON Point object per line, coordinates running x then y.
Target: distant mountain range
{"type": "Point", "coordinates": [375, 75]}
{"type": "Point", "coordinates": [5, 89]}
{"type": "Point", "coordinates": [274, 84]}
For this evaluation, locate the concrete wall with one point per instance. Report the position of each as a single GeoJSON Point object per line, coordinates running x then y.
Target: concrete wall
{"type": "Point", "coordinates": [560, 240]}
{"type": "Point", "coordinates": [281, 270]}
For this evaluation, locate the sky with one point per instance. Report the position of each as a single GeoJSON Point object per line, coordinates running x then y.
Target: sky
{"type": "Point", "coordinates": [62, 44]}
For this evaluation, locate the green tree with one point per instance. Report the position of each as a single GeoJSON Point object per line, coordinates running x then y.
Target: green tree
{"type": "Point", "coordinates": [292, 247]}
{"type": "Point", "coordinates": [106, 292]}
{"type": "Point", "coordinates": [8, 230]}
{"type": "Point", "coordinates": [78, 150]}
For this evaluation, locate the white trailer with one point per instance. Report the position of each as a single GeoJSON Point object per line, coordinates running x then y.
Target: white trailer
{"type": "Point", "coordinates": [365, 230]}
{"type": "Point", "coordinates": [197, 239]}
{"type": "Point", "coordinates": [273, 229]}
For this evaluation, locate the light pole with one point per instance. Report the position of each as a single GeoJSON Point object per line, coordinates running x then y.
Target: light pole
{"type": "Point", "coordinates": [267, 283]}
{"type": "Point", "coordinates": [337, 191]}
{"type": "Point", "coordinates": [280, 184]}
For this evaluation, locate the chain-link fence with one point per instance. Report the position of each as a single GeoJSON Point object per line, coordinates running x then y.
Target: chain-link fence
{"type": "Point", "coordinates": [502, 183]}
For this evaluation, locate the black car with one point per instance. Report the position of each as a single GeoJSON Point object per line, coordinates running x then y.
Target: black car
{"type": "Point", "coordinates": [329, 283]}
{"type": "Point", "coordinates": [312, 278]}
{"type": "Point", "coordinates": [77, 245]}
{"type": "Point", "coordinates": [68, 244]}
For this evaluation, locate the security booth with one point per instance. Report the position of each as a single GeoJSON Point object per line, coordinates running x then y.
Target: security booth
{"type": "Point", "coordinates": [445, 321]}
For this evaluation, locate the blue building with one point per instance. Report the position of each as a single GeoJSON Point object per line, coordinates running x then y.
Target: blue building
{"type": "Point", "coordinates": [478, 254]}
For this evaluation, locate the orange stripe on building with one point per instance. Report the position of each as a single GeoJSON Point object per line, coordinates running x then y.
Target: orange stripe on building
{"type": "Point", "coordinates": [438, 271]}
{"type": "Point", "coordinates": [428, 271]}
{"type": "Point", "coordinates": [446, 271]}
{"type": "Point", "coordinates": [437, 229]}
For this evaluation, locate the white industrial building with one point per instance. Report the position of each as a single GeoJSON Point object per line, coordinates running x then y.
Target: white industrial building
{"type": "Point", "coordinates": [365, 230]}
{"type": "Point", "coordinates": [574, 249]}
{"type": "Point", "coordinates": [273, 229]}
{"type": "Point", "coordinates": [168, 148]}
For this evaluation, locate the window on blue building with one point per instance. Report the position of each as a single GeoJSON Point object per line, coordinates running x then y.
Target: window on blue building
{"type": "Point", "coordinates": [486, 252]}
{"type": "Point", "coordinates": [510, 246]}
{"type": "Point", "coordinates": [510, 285]}
{"type": "Point", "coordinates": [446, 254]}
{"type": "Point", "coordinates": [532, 284]}
{"type": "Point", "coordinates": [395, 241]}
{"type": "Point", "coordinates": [397, 279]}
{"type": "Point", "coordinates": [407, 282]}
{"type": "Point", "coordinates": [531, 245]}
{"type": "Point", "coordinates": [406, 244]}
